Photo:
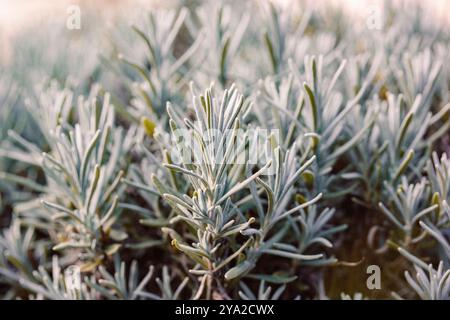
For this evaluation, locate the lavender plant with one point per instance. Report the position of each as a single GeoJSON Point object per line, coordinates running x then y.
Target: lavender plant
{"type": "Point", "coordinates": [209, 152]}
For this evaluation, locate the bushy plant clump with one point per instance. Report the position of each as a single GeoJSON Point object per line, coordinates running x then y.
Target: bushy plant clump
{"type": "Point", "coordinates": [209, 152]}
